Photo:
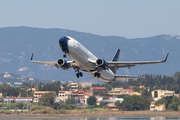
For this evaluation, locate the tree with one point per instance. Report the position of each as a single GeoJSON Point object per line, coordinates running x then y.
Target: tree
{"type": "Point", "coordinates": [161, 101]}
{"type": "Point", "coordinates": [136, 89]}
{"type": "Point", "coordinates": [135, 103]}
{"type": "Point", "coordinates": [47, 99]}
{"type": "Point", "coordinates": [56, 106]}
{"type": "Point", "coordinates": [177, 75]}
{"type": "Point", "coordinates": [62, 105]}
{"type": "Point", "coordinates": [65, 86]}
{"type": "Point", "coordinates": [118, 104]}
{"type": "Point", "coordinates": [175, 103]}
{"type": "Point", "coordinates": [70, 100]}
{"type": "Point", "coordinates": [91, 100]}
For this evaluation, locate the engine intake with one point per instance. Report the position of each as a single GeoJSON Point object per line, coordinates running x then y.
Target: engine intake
{"type": "Point", "coordinates": [101, 62]}
{"type": "Point", "coordinates": [62, 63]}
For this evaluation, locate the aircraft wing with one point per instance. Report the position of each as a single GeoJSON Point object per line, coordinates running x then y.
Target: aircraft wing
{"type": "Point", "coordinates": [118, 64]}
{"type": "Point", "coordinates": [70, 64]}
{"type": "Point", "coordinates": [44, 62]}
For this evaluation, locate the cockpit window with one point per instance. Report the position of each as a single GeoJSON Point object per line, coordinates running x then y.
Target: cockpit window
{"type": "Point", "coordinates": [65, 38]}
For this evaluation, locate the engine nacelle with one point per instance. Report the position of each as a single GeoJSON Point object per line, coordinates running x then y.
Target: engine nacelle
{"type": "Point", "coordinates": [62, 63]}
{"type": "Point", "coordinates": [101, 63]}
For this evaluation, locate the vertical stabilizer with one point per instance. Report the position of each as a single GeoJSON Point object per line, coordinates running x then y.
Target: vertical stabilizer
{"type": "Point", "coordinates": [115, 58]}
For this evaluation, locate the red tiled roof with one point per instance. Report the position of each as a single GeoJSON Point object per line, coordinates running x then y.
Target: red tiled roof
{"type": "Point", "coordinates": [61, 91]}
{"type": "Point", "coordinates": [24, 97]}
{"type": "Point", "coordinates": [99, 88]}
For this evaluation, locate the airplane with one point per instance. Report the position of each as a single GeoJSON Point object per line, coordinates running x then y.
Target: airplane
{"type": "Point", "coordinates": [85, 61]}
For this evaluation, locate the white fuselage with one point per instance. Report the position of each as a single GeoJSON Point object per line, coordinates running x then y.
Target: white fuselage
{"type": "Point", "coordinates": [82, 56]}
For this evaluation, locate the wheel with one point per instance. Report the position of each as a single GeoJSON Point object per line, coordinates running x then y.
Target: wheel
{"type": "Point", "coordinates": [98, 75]}
{"type": "Point", "coordinates": [95, 74]}
{"type": "Point", "coordinates": [81, 74]}
{"type": "Point", "coordinates": [77, 75]}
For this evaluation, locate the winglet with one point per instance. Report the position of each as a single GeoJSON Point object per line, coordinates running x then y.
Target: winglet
{"type": "Point", "coordinates": [166, 58]}
{"type": "Point", "coordinates": [32, 56]}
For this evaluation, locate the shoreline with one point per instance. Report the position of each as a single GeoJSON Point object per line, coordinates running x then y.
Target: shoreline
{"type": "Point", "coordinates": [93, 113]}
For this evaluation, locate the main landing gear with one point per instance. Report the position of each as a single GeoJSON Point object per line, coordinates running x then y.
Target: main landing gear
{"type": "Point", "coordinates": [78, 74]}
{"type": "Point", "coordinates": [97, 74]}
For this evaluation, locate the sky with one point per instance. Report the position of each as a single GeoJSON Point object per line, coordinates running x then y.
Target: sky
{"type": "Point", "coordinates": [125, 18]}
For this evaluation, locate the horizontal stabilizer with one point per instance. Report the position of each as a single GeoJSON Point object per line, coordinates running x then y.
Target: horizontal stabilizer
{"type": "Point", "coordinates": [126, 77]}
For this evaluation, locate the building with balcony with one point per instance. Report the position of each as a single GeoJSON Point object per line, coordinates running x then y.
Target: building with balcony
{"type": "Point", "coordinates": [116, 91]}
{"type": "Point", "coordinates": [99, 89]}
{"type": "Point", "coordinates": [162, 93]}
{"type": "Point", "coordinates": [127, 92]}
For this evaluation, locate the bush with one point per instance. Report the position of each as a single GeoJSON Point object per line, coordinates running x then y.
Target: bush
{"type": "Point", "coordinates": [25, 112]}
{"type": "Point", "coordinates": [90, 106]}
{"type": "Point", "coordinates": [7, 112]}
{"type": "Point", "coordinates": [62, 112]}
{"type": "Point", "coordinates": [175, 107]}
{"type": "Point", "coordinates": [37, 107]}
{"type": "Point", "coordinates": [16, 112]}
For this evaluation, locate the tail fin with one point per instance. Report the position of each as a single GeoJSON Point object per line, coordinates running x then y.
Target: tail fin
{"type": "Point", "coordinates": [116, 58]}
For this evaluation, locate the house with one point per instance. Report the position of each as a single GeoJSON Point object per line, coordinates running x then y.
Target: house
{"type": "Point", "coordinates": [112, 100]}
{"type": "Point", "coordinates": [8, 99]}
{"type": "Point", "coordinates": [112, 106]}
{"type": "Point", "coordinates": [38, 94]}
{"type": "Point", "coordinates": [33, 89]}
{"type": "Point", "coordinates": [127, 92]}
{"type": "Point", "coordinates": [73, 90]}
{"type": "Point", "coordinates": [88, 92]}
{"type": "Point", "coordinates": [79, 95]}
{"type": "Point", "coordinates": [98, 99]}
{"type": "Point", "coordinates": [73, 85]}
{"type": "Point", "coordinates": [153, 107]}
{"type": "Point", "coordinates": [23, 99]}
{"type": "Point", "coordinates": [161, 93]}
{"type": "Point", "coordinates": [18, 99]}
{"type": "Point", "coordinates": [63, 95]}
{"type": "Point", "coordinates": [136, 93]}
{"type": "Point", "coordinates": [99, 89]}
{"type": "Point", "coordinates": [116, 91]}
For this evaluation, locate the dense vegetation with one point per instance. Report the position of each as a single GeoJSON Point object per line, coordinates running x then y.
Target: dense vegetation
{"type": "Point", "coordinates": [151, 82]}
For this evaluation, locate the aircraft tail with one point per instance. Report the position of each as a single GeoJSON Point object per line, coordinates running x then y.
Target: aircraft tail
{"type": "Point", "coordinates": [116, 58]}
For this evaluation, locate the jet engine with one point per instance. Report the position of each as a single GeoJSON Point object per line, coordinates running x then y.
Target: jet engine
{"type": "Point", "coordinates": [101, 63]}
{"type": "Point", "coordinates": [62, 63]}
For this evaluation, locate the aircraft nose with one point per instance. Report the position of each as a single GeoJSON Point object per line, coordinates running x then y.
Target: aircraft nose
{"type": "Point", "coordinates": [63, 42]}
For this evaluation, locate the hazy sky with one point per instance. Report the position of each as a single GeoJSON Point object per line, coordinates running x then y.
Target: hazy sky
{"type": "Point", "coordinates": [126, 18]}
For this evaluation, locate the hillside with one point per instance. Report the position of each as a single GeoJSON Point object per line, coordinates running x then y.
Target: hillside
{"type": "Point", "coordinates": [18, 43]}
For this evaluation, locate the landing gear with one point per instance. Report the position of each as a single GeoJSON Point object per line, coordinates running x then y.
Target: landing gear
{"type": "Point", "coordinates": [79, 74]}
{"type": "Point", "coordinates": [97, 74]}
